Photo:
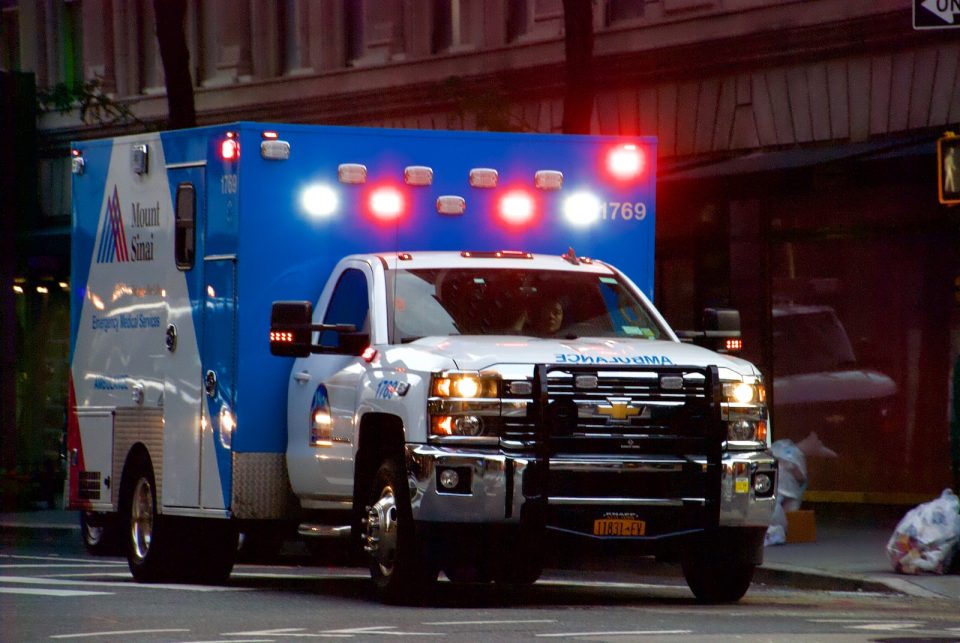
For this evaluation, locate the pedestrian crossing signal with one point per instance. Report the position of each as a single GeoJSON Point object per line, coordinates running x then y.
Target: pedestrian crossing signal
{"type": "Point", "coordinates": [948, 168]}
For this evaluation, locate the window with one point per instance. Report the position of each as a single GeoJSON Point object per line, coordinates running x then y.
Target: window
{"type": "Point", "coordinates": [374, 31]}
{"type": "Point", "coordinates": [9, 38]}
{"type": "Point", "coordinates": [55, 197]}
{"type": "Point", "coordinates": [185, 242]}
{"type": "Point", "coordinates": [455, 24]}
{"type": "Point", "coordinates": [532, 303]}
{"type": "Point", "coordinates": [350, 304]}
{"type": "Point", "coordinates": [71, 44]}
{"type": "Point", "coordinates": [618, 10]}
{"type": "Point", "coordinates": [151, 72]}
{"type": "Point", "coordinates": [291, 16]}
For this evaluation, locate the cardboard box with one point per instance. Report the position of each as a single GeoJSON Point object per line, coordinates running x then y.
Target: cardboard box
{"type": "Point", "coordinates": [801, 526]}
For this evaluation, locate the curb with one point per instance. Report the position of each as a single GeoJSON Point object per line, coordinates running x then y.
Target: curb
{"type": "Point", "coordinates": [815, 579]}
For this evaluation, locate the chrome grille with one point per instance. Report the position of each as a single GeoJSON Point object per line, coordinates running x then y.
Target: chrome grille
{"type": "Point", "coordinates": [619, 411]}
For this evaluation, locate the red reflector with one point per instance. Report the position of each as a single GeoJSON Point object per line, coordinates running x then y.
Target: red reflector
{"type": "Point", "coordinates": [516, 207]}
{"type": "Point", "coordinates": [386, 204]}
{"type": "Point", "coordinates": [625, 162]}
{"type": "Point", "coordinates": [733, 344]}
{"type": "Point", "coordinates": [369, 354]}
{"type": "Point", "coordinates": [230, 150]}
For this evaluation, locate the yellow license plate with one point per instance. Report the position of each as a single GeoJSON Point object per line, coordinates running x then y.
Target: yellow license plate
{"type": "Point", "coordinates": [619, 527]}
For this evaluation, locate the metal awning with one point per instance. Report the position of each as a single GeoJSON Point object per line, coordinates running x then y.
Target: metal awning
{"type": "Point", "coordinates": [800, 157]}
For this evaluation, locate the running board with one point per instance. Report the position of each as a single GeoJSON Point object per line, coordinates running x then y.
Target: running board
{"type": "Point", "coordinates": [324, 531]}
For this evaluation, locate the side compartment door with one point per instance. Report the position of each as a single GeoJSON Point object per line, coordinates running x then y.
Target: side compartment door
{"type": "Point", "coordinates": [184, 396]}
{"type": "Point", "coordinates": [219, 358]}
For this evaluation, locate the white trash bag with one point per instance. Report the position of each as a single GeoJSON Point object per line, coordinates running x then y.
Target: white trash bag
{"type": "Point", "coordinates": [928, 537]}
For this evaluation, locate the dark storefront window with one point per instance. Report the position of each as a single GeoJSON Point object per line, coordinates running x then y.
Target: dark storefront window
{"type": "Point", "coordinates": [845, 285]}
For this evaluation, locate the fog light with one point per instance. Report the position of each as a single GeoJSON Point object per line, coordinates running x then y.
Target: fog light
{"type": "Point", "coordinates": [449, 478]}
{"type": "Point", "coordinates": [469, 425]}
{"type": "Point", "coordinates": [762, 484]}
{"type": "Point", "coordinates": [741, 430]}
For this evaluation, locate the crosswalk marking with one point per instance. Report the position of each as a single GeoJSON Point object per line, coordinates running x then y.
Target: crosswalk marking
{"type": "Point", "coordinates": [86, 635]}
{"type": "Point", "coordinates": [34, 580]}
{"type": "Point", "coordinates": [38, 591]}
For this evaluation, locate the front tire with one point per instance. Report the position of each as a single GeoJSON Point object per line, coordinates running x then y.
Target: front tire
{"type": "Point", "coordinates": [398, 571]}
{"type": "Point", "coordinates": [719, 566]}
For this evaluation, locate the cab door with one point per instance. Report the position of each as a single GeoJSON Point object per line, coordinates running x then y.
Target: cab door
{"type": "Point", "coordinates": [324, 390]}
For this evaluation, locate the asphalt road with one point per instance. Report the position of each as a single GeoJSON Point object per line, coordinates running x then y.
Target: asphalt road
{"type": "Point", "coordinates": [51, 590]}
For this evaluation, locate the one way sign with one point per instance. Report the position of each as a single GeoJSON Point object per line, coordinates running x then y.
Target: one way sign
{"type": "Point", "coordinates": [936, 14]}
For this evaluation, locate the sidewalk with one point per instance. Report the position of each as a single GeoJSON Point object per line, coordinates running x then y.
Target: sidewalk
{"type": "Point", "coordinates": [848, 555]}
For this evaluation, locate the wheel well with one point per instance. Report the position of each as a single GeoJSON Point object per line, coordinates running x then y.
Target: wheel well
{"type": "Point", "coordinates": [380, 437]}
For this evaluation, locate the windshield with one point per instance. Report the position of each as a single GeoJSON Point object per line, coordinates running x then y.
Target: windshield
{"type": "Point", "coordinates": [533, 303]}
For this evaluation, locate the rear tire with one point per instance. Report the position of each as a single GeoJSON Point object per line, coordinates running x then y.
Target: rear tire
{"type": "Point", "coordinates": [98, 531]}
{"type": "Point", "coordinates": [398, 571]}
{"type": "Point", "coordinates": [145, 537]}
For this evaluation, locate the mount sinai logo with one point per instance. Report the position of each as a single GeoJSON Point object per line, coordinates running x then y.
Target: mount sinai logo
{"type": "Point", "coordinates": [114, 247]}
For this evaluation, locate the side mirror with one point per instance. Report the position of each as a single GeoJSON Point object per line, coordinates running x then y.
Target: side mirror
{"type": "Point", "coordinates": [721, 319]}
{"type": "Point", "coordinates": [290, 327]}
{"type": "Point", "coordinates": [721, 331]}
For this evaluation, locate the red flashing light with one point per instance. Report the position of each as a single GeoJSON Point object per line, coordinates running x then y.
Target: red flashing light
{"type": "Point", "coordinates": [386, 203]}
{"type": "Point", "coordinates": [626, 162]}
{"type": "Point", "coordinates": [516, 208]}
{"type": "Point", "coordinates": [369, 354]}
{"type": "Point", "coordinates": [285, 337]}
{"type": "Point", "coordinates": [733, 344]}
{"type": "Point", "coordinates": [230, 149]}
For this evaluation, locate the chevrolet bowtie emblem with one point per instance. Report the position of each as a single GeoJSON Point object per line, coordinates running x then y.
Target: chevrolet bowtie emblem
{"type": "Point", "coordinates": [618, 408]}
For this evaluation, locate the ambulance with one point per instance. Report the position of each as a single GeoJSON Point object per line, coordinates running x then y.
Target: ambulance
{"type": "Point", "coordinates": [439, 346]}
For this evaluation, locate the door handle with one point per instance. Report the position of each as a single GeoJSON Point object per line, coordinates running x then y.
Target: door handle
{"type": "Point", "coordinates": [303, 377]}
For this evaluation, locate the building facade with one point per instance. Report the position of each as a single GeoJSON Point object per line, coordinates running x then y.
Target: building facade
{"type": "Point", "coordinates": [797, 165]}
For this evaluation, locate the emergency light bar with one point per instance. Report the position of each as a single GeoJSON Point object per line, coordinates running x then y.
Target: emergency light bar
{"type": "Point", "coordinates": [548, 180]}
{"type": "Point", "coordinates": [498, 254]}
{"type": "Point", "coordinates": [516, 207]}
{"type": "Point", "coordinates": [451, 205]}
{"type": "Point", "coordinates": [418, 175]}
{"type": "Point", "coordinates": [77, 163]}
{"type": "Point", "coordinates": [386, 203]}
{"type": "Point", "coordinates": [625, 162]}
{"type": "Point", "coordinates": [483, 177]}
{"type": "Point", "coordinates": [230, 148]}
{"type": "Point", "coordinates": [275, 150]}
{"type": "Point", "coordinates": [352, 173]}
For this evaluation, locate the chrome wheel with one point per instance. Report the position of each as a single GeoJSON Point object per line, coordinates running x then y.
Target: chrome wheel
{"type": "Point", "coordinates": [141, 519]}
{"type": "Point", "coordinates": [381, 531]}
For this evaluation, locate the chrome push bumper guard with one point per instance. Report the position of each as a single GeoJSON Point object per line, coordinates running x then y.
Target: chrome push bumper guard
{"type": "Point", "coordinates": [494, 487]}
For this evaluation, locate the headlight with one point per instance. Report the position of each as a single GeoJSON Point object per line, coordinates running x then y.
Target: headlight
{"type": "Point", "coordinates": [465, 385]}
{"type": "Point", "coordinates": [744, 409]}
{"type": "Point", "coordinates": [743, 392]}
{"type": "Point", "coordinates": [465, 407]}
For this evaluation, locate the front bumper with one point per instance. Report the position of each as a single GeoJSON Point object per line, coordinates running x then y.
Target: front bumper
{"type": "Point", "coordinates": [493, 488]}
